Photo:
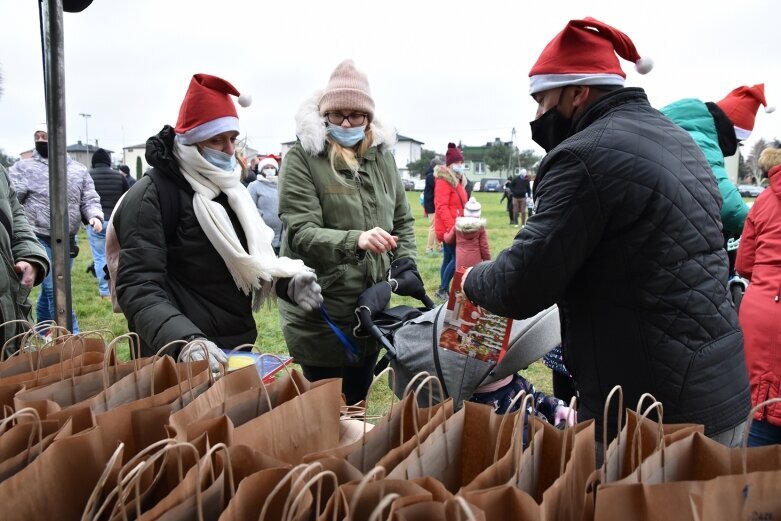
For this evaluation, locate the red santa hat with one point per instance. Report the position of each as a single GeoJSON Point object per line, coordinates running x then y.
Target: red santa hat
{"type": "Point", "coordinates": [207, 109]}
{"type": "Point", "coordinates": [741, 106]}
{"type": "Point", "coordinates": [584, 53]}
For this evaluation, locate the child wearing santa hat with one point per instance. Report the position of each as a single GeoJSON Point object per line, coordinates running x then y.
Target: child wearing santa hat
{"type": "Point", "coordinates": [200, 281]}
{"type": "Point", "coordinates": [264, 192]}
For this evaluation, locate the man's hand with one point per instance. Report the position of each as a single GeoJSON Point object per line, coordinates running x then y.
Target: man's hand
{"type": "Point", "coordinates": [377, 240]}
{"type": "Point", "coordinates": [27, 273]}
{"type": "Point", "coordinates": [97, 224]}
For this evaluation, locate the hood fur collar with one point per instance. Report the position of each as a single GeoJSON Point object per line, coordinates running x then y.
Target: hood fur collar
{"type": "Point", "coordinates": [443, 172]}
{"type": "Point", "coordinates": [310, 128]}
{"type": "Point", "coordinates": [470, 224]}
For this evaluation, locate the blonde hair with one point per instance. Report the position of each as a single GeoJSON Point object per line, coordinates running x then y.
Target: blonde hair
{"type": "Point", "coordinates": [769, 158]}
{"type": "Point", "coordinates": [348, 155]}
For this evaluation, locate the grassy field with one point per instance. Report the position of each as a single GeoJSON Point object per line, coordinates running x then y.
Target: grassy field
{"type": "Point", "coordinates": [94, 313]}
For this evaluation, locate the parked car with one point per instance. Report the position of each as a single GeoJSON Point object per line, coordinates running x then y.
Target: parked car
{"type": "Point", "coordinates": [489, 184]}
{"type": "Point", "coordinates": [750, 190]}
{"type": "Point", "coordinates": [409, 184]}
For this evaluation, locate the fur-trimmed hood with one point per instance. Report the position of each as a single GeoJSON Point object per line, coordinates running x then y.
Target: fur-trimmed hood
{"type": "Point", "coordinates": [310, 128]}
{"type": "Point", "coordinates": [443, 172]}
{"type": "Point", "coordinates": [470, 224]}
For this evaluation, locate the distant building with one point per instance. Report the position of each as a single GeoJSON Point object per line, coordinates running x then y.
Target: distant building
{"type": "Point", "coordinates": [83, 153]}
{"type": "Point", "coordinates": [131, 157]}
{"type": "Point", "coordinates": [406, 151]}
{"type": "Point", "coordinates": [474, 155]}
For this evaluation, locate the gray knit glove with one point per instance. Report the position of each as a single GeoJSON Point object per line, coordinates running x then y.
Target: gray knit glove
{"type": "Point", "coordinates": [201, 349]}
{"type": "Point", "coordinates": [304, 290]}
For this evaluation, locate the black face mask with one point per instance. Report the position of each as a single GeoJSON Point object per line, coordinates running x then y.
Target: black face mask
{"type": "Point", "coordinates": [42, 147]}
{"type": "Point", "coordinates": [550, 129]}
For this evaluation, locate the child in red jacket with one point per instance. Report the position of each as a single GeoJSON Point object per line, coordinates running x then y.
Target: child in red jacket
{"type": "Point", "coordinates": [469, 236]}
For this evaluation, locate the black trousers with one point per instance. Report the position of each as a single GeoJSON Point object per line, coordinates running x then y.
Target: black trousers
{"type": "Point", "coordinates": [355, 380]}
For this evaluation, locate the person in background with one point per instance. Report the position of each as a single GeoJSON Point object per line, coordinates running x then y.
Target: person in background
{"type": "Point", "coordinates": [125, 171]}
{"type": "Point", "coordinates": [718, 128]}
{"type": "Point", "coordinates": [759, 261]}
{"type": "Point", "coordinates": [30, 178]}
{"type": "Point", "coordinates": [449, 200]}
{"type": "Point", "coordinates": [432, 244]}
{"type": "Point", "coordinates": [265, 194]}
{"type": "Point", "coordinates": [626, 240]}
{"type": "Point", "coordinates": [201, 280]}
{"type": "Point", "coordinates": [469, 236]}
{"type": "Point", "coordinates": [346, 215]}
{"type": "Point", "coordinates": [520, 189]}
{"type": "Point", "coordinates": [110, 185]}
{"type": "Point", "coordinates": [507, 194]}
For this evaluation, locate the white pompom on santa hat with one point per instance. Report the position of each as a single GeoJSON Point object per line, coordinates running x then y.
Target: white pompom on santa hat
{"type": "Point", "coordinates": [584, 53]}
{"type": "Point", "coordinates": [207, 109]}
{"type": "Point", "coordinates": [741, 106]}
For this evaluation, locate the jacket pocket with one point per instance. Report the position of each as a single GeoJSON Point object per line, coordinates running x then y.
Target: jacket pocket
{"type": "Point", "coordinates": [327, 279]}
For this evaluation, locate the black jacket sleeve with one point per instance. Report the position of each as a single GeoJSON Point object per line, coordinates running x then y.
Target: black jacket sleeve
{"type": "Point", "coordinates": [536, 269]}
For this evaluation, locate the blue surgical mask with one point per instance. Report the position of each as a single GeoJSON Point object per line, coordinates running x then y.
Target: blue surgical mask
{"type": "Point", "coordinates": [219, 159]}
{"type": "Point", "coordinates": [459, 169]}
{"type": "Point", "coordinates": [347, 137]}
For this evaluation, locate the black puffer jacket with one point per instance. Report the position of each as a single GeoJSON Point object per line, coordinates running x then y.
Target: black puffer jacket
{"type": "Point", "coordinates": [172, 291]}
{"type": "Point", "coordinates": [109, 183]}
{"type": "Point", "coordinates": [627, 241]}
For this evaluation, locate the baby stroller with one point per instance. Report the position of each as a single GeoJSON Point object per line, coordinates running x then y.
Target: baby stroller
{"type": "Point", "coordinates": [410, 338]}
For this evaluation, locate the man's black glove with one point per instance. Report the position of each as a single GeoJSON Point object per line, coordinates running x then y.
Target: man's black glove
{"type": "Point", "coordinates": [405, 279]}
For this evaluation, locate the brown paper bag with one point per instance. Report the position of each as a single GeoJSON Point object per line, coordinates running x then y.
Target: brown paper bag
{"type": "Point", "coordinates": [254, 497]}
{"type": "Point", "coordinates": [664, 484]}
{"type": "Point", "coordinates": [55, 352]}
{"type": "Point", "coordinates": [305, 424]}
{"type": "Point", "coordinates": [21, 444]}
{"type": "Point", "coordinates": [68, 368]}
{"type": "Point", "coordinates": [456, 453]}
{"type": "Point", "coordinates": [57, 484]}
{"type": "Point", "coordinates": [456, 509]}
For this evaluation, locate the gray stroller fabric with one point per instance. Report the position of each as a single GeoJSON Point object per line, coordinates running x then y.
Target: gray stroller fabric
{"type": "Point", "coordinates": [417, 350]}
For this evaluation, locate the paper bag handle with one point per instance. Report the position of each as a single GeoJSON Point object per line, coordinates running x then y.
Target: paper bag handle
{"type": "Point", "coordinates": [747, 428]}
{"type": "Point", "coordinates": [376, 514]}
{"type": "Point", "coordinates": [637, 439]}
{"type": "Point", "coordinates": [303, 468]}
{"type": "Point", "coordinates": [619, 420]}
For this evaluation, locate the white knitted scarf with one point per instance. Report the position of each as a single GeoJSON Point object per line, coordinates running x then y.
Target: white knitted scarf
{"type": "Point", "coordinates": [253, 271]}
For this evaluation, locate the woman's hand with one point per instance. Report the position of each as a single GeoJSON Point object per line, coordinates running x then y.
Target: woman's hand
{"type": "Point", "coordinates": [377, 240]}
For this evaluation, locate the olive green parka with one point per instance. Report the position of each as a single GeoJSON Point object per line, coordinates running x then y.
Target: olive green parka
{"type": "Point", "coordinates": [323, 219]}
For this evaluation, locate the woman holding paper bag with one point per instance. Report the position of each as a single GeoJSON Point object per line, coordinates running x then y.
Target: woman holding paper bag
{"type": "Point", "coordinates": [346, 215]}
{"type": "Point", "coordinates": [195, 257]}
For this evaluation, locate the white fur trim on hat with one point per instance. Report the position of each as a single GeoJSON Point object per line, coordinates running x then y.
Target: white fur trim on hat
{"type": "Point", "coordinates": [41, 127]}
{"type": "Point", "coordinates": [208, 129]}
{"type": "Point", "coordinates": [268, 161]}
{"type": "Point", "coordinates": [644, 65]}
{"type": "Point", "coordinates": [472, 208]}
{"type": "Point", "coordinates": [742, 134]}
{"type": "Point", "coordinates": [543, 82]}
{"type": "Point", "coordinates": [769, 109]}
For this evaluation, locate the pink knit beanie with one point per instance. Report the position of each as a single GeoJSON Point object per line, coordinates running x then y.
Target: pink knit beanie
{"type": "Point", "coordinates": [347, 89]}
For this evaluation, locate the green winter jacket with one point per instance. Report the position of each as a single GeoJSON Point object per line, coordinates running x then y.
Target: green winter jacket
{"type": "Point", "coordinates": [323, 219]}
{"type": "Point", "coordinates": [17, 243]}
{"type": "Point", "coordinates": [693, 116]}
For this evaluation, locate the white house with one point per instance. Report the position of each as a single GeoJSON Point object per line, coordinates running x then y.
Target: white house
{"type": "Point", "coordinates": [406, 151]}
{"type": "Point", "coordinates": [131, 157]}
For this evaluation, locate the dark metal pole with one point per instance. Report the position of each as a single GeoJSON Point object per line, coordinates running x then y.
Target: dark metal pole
{"type": "Point", "coordinates": [54, 57]}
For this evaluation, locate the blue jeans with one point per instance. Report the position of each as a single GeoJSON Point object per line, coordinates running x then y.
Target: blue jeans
{"type": "Point", "coordinates": [763, 433]}
{"type": "Point", "coordinates": [448, 266]}
{"type": "Point", "coordinates": [44, 309]}
{"type": "Point", "coordinates": [97, 243]}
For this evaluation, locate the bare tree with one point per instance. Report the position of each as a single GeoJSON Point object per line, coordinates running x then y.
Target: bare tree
{"type": "Point", "coordinates": [753, 156]}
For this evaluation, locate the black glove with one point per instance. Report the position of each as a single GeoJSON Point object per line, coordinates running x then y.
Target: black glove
{"type": "Point", "coordinates": [405, 279]}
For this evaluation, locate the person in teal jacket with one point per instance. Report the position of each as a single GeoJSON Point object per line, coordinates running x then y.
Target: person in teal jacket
{"type": "Point", "coordinates": [698, 119]}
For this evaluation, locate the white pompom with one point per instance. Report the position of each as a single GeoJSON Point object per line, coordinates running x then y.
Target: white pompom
{"type": "Point", "coordinates": [245, 100]}
{"type": "Point", "coordinates": [769, 109]}
{"type": "Point", "coordinates": [644, 65]}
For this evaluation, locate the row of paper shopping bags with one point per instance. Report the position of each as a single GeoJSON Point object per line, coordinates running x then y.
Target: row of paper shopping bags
{"type": "Point", "coordinates": [85, 436]}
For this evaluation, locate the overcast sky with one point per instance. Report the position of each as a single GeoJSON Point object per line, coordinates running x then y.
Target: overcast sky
{"type": "Point", "coordinates": [439, 70]}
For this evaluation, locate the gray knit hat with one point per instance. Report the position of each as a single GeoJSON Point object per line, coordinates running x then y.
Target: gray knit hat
{"type": "Point", "coordinates": [347, 89]}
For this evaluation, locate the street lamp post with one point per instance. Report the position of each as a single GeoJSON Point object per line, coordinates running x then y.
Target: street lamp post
{"type": "Point", "coordinates": [86, 129]}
